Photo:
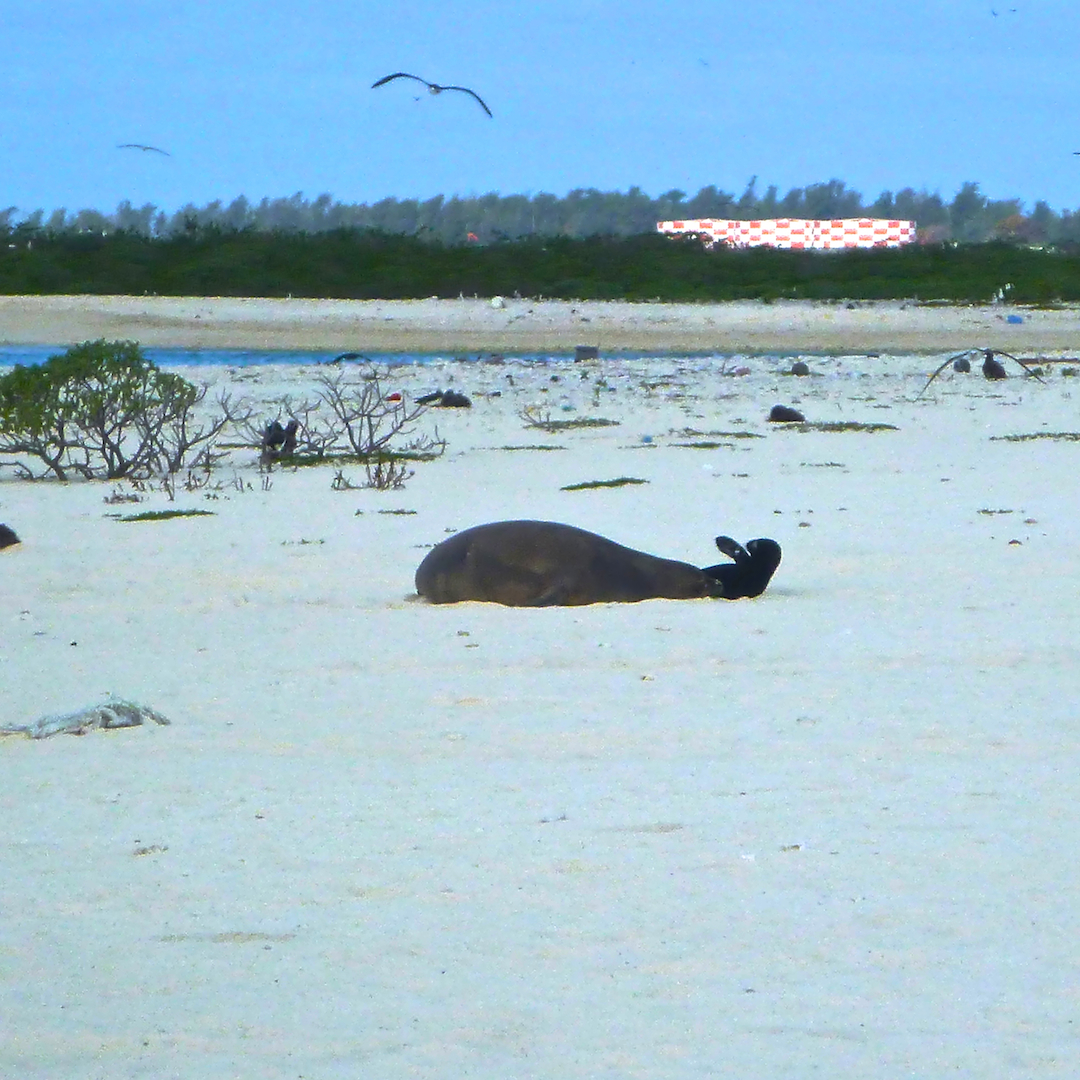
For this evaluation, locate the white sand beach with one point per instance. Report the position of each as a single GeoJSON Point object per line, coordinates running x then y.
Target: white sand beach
{"type": "Point", "coordinates": [474, 325]}
{"type": "Point", "coordinates": [829, 831]}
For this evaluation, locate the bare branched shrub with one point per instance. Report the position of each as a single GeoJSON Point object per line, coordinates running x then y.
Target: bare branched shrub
{"type": "Point", "coordinates": [387, 474]}
{"type": "Point", "coordinates": [312, 438]}
{"type": "Point", "coordinates": [534, 418]}
{"type": "Point", "coordinates": [176, 436]}
{"type": "Point", "coordinates": [342, 483]}
{"type": "Point", "coordinates": [20, 467]}
{"type": "Point", "coordinates": [118, 495]}
{"type": "Point", "coordinates": [369, 419]}
{"type": "Point", "coordinates": [201, 478]}
{"type": "Point", "coordinates": [352, 415]}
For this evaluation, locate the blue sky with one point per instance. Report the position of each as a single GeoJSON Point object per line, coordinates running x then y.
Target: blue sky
{"type": "Point", "coordinates": [268, 99]}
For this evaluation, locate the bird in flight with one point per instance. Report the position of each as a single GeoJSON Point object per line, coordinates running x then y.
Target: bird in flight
{"type": "Point", "coordinates": [142, 146]}
{"type": "Point", "coordinates": [434, 88]}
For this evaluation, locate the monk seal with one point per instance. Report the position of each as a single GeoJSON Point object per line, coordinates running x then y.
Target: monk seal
{"type": "Point", "coordinates": [544, 563]}
{"type": "Point", "coordinates": [785, 414]}
{"type": "Point", "coordinates": [7, 536]}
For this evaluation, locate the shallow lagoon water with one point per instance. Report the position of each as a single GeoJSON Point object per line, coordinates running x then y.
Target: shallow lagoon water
{"type": "Point", "coordinates": [163, 357]}
{"type": "Point", "coordinates": [10, 355]}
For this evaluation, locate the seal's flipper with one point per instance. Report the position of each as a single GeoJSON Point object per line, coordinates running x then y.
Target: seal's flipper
{"type": "Point", "coordinates": [732, 549]}
{"type": "Point", "coordinates": [558, 595]}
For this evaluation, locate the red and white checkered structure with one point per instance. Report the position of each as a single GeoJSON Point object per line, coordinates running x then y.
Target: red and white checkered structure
{"type": "Point", "coordinates": [795, 232]}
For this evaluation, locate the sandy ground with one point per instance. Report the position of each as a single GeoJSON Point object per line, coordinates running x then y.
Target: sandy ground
{"type": "Point", "coordinates": [828, 832]}
{"type": "Point", "coordinates": [532, 325]}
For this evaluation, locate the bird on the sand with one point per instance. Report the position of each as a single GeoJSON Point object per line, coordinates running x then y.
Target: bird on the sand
{"type": "Point", "coordinates": [433, 88]}
{"type": "Point", "coordinates": [992, 369]}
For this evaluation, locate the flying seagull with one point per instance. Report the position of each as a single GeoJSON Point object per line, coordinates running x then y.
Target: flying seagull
{"type": "Point", "coordinates": [141, 146]}
{"type": "Point", "coordinates": [434, 88]}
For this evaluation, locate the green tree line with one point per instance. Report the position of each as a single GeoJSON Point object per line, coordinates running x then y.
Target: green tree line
{"type": "Point", "coordinates": [367, 264]}
{"type": "Point", "coordinates": [969, 216]}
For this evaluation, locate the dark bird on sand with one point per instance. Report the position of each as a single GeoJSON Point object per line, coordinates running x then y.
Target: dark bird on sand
{"type": "Point", "coordinates": [433, 88]}
{"type": "Point", "coordinates": [278, 441]}
{"type": "Point", "coordinates": [142, 146]}
{"type": "Point", "coordinates": [349, 356]}
{"type": "Point", "coordinates": [547, 564]}
{"type": "Point", "coordinates": [993, 369]}
{"type": "Point", "coordinates": [445, 399]}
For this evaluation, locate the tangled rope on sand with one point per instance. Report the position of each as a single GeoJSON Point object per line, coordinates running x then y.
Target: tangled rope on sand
{"type": "Point", "coordinates": [109, 714]}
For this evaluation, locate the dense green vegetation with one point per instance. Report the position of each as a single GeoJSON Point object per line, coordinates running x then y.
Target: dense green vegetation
{"type": "Point", "coordinates": [363, 264]}
{"type": "Point", "coordinates": [969, 216]}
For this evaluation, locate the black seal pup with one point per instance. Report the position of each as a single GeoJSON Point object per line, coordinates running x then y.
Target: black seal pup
{"type": "Point", "coordinates": [544, 563]}
{"type": "Point", "coordinates": [7, 536]}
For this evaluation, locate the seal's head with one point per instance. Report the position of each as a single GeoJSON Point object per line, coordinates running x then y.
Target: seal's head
{"type": "Point", "coordinates": [752, 570]}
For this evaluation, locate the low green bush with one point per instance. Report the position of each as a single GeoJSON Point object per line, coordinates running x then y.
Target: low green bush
{"type": "Point", "coordinates": [102, 410]}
